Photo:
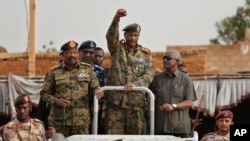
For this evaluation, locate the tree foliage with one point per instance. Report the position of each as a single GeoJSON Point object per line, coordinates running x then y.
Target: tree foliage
{"type": "Point", "coordinates": [50, 47]}
{"type": "Point", "coordinates": [232, 29]}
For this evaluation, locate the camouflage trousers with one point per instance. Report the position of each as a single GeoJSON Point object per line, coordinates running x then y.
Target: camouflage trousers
{"type": "Point", "coordinates": [72, 130]}
{"type": "Point", "coordinates": [124, 121]}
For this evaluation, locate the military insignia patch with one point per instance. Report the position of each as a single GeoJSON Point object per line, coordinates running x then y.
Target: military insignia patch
{"type": "Point", "coordinates": [19, 125]}
{"type": "Point", "coordinates": [226, 115]}
{"type": "Point", "coordinates": [138, 28]}
{"type": "Point", "coordinates": [26, 98]}
{"type": "Point", "coordinates": [92, 44]}
{"type": "Point", "coordinates": [72, 44]}
{"type": "Point", "coordinates": [11, 134]}
{"type": "Point", "coordinates": [83, 75]}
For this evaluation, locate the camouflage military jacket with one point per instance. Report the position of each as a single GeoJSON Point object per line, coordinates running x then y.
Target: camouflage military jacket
{"type": "Point", "coordinates": [127, 66]}
{"type": "Point", "coordinates": [31, 131]}
{"type": "Point", "coordinates": [215, 137]}
{"type": "Point", "coordinates": [77, 86]}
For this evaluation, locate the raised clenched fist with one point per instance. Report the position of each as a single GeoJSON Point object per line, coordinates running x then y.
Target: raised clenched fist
{"type": "Point", "coordinates": [120, 13]}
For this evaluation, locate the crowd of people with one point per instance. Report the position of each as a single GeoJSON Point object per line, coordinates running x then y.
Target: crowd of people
{"type": "Point", "coordinates": [66, 104]}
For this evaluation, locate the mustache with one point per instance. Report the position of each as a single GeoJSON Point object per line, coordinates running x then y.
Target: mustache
{"type": "Point", "coordinates": [69, 58]}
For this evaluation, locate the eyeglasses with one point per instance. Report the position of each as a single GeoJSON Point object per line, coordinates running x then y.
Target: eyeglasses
{"type": "Point", "coordinates": [168, 58]}
{"type": "Point", "coordinates": [88, 52]}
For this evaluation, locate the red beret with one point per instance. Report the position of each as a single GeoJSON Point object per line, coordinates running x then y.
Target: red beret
{"type": "Point", "coordinates": [224, 114]}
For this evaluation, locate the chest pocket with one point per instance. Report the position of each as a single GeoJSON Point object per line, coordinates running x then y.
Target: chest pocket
{"type": "Point", "coordinates": [84, 80]}
{"type": "Point", "coordinates": [177, 94]}
{"type": "Point", "coordinates": [138, 67]}
{"type": "Point", "coordinates": [61, 79]}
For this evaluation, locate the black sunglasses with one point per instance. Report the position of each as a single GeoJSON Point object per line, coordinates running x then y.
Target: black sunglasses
{"type": "Point", "coordinates": [168, 58]}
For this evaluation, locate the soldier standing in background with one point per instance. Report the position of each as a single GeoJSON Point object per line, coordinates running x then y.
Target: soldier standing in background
{"type": "Point", "coordinates": [23, 127]}
{"type": "Point", "coordinates": [131, 65]}
{"type": "Point", "coordinates": [101, 74]}
{"type": "Point", "coordinates": [68, 89]}
{"type": "Point", "coordinates": [223, 121]}
{"type": "Point", "coordinates": [86, 51]}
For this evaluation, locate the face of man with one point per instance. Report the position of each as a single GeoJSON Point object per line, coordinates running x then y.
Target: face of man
{"type": "Point", "coordinates": [23, 112]}
{"type": "Point", "coordinates": [131, 38]}
{"type": "Point", "coordinates": [98, 57]}
{"type": "Point", "coordinates": [170, 61]}
{"type": "Point", "coordinates": [87, 55]}
{"type": "Point", "coordinates": [70, 57]}
{"type": "Point", "coordinates": [223, 124]}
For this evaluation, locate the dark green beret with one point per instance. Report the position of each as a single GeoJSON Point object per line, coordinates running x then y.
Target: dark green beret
{"type": "Point", "coordinates": [69, 45]}
{"type": "Point", "coordinates": [22, 99]}
{"type": "Point", "coordinates": [132, 28]}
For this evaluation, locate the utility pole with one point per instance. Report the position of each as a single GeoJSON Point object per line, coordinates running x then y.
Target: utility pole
{"type": "Point", "coordinates": [31, 44]}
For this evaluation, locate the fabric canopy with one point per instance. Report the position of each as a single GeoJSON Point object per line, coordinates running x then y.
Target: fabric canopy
{"type": "Point", "coordinates": [229, 93]}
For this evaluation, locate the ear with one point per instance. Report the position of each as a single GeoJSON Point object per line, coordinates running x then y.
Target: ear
{"type": "Point", "coordinates": [232, 123]}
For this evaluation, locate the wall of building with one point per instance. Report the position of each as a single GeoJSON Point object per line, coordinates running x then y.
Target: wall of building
{"type": "Point", "coordinates": [217, 58]}
{"type": "Point", "coordinates": [199, 59]}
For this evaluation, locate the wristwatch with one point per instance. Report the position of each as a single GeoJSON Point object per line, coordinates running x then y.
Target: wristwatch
{"type": "Point", "coordinates": [174, 105]}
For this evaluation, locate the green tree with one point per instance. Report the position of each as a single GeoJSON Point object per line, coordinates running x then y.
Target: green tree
{"type": "Point", "coordinates": [49, 48]}
{"type": "Point", "coordinates": [232, 29]}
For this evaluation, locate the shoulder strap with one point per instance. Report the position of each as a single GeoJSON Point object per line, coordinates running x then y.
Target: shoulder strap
{"type": "Point", "coordinates": [145, 50]}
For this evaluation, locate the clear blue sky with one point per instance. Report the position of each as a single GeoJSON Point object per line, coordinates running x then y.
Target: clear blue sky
{"type": "Point", "coordinates": [163, 22]}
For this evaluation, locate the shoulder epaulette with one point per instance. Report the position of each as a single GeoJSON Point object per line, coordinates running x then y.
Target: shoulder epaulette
{"type": "Point", "coordinates": [146, 50]}
{"type": "Point", "coordinates": [10, 125]}
{"type": "Point", "coordinates": [85, 64]}
{"type": "Point", "coordinates": [37, 120]}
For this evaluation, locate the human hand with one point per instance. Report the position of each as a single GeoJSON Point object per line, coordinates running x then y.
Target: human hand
{"type": "Point", "coordinates": [129, 86]}
{"type": "Point", "coordinates": [62, 103]}
{"type": "Point", "coordinates": [166, 107]}
{"type": "Point", "coordinates": [196, 122]}
{"type": "Point", "coordinates": [120, 13]}
{"type": "Point", "coordinates": [99, 93]}
{"type": "Point", "coordinates": [50, 132]}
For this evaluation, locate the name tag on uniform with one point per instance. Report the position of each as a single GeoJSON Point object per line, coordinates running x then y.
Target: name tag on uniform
{"type": "Point", "coordinates": [83, 75]}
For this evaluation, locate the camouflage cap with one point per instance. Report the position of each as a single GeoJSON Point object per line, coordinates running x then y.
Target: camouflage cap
{"type": "Point", "coordinates": [132, 28]}
{"type": "Point", "coordinates": [22, 99]}
{"type": "Point", "coordinates": [69, 45]}
{"type": "Point", "coordinates": [224, 114]}
{"type": "Point", "coordinates": [87, 44]}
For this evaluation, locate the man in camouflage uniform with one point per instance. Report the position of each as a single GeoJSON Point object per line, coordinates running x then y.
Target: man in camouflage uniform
{"type": "Point", "coordinates": [223, 121]}
{"type": "Point", "coordinates": [24, 128]}
{"type": "Point", "coordinates": [68, 89]}
{"type": "Point", "coordinates": [131, 65]}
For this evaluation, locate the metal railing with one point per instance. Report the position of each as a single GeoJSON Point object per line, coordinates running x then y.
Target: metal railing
{"type": "Point", "coordinates": [105, 88]}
